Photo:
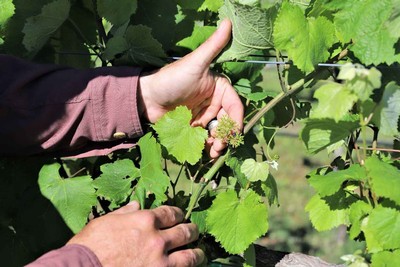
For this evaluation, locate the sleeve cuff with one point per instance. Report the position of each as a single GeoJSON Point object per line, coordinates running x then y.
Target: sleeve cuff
{"type": "Point", "coordinates": [114, 105]}
{"type": "Point", "coordinates": [68, 256]}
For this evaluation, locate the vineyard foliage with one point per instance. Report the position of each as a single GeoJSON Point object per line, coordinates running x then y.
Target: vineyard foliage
{"type": "Point", "coordinates": [356, 105]}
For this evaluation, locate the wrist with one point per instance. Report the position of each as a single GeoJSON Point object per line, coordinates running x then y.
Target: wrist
{"type": "Point", "coordinates": [143, 96]}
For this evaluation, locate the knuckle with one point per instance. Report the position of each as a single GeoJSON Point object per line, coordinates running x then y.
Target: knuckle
{"type": "Point", "coordinates": [188, 232]}
{"type": "Point", "coordinates": [171, 214]}
{"type": "Point", "coordinates": [184, 232]}
{"type": "Point", "coordinates": [190, 257]}
{"type": "Point", "coordinates": [158, 243]}
{"type": "Point", "coordinates": [148, 218]}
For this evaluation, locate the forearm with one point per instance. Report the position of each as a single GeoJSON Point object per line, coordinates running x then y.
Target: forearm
{"type": "Point", "coordinates": [48, 108]}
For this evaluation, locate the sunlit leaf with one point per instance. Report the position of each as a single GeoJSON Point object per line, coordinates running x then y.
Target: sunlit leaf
{"type": "Point", "coordinates": [230, 216]}
{"type": "Point", "coordinates": [182, 141]}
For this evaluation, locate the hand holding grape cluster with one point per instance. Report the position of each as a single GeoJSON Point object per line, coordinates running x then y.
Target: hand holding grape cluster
{"type": "Point", "coordinates": [190, 82]}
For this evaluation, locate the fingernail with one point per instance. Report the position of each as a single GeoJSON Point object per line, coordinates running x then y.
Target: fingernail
{"type": "Point", "coordinates": [200, 257]}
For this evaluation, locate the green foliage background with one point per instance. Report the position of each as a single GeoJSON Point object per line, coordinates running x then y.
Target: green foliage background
{"type": "Point", "coordinates": [352, 109]}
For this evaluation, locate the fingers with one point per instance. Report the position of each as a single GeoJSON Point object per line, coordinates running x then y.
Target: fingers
{"type": "Point", "coordinates": [225, 100]}
{"type": "Point", "coordinates": [180, 235]}
{"type": "Point", "coordinates": [188, 257]}
{"type": "Point", "coordinates": [206, 53]}
{"type": "Point", "coordinates": [167, 216]}
{"type": "Point", "coordinates": [232, 104]}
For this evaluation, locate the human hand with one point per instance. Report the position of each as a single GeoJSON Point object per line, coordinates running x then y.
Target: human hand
{"type": "Point", "coordinates": [190, 82]}
{"type": "Point", "coordinates": [133, 237]}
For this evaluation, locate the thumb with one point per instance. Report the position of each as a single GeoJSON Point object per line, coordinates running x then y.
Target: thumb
{"type": "Point", "coordinates": [206, 52]}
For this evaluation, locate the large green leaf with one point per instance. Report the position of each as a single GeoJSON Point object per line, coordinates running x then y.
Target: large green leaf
{"type": "Point", "coordinates": [115, 181]}
{"type": "Point", "coordinates": [72, 197]}
{"type": "Point", "coordinates": [329, 94]}
{"type": "Point", "coordinates": [330, 183]}
{"type": "Point", "coordinates": [153, 180]}
{"type": "Point", "coordinates": [383, 228]}
{"type": "Point", "coordinates": [235, 221]}
{"type": "Point", "coordinates": [38, 29]}
{"type": "Point", "coordinates": [371, 26]}
{"type": "Point", "coordinates": [385, 178]}
{"type": "Point", "coordinates": [182, 141]}
{"type": "Point", "coordinates": [323, 217]}
{"type": "Point", "coordinates": [116, 12]}
{"type": "Point", "coordinates": [252, 28]}
{"type": "Point", "coordinates": [318, 134]}
{"type": "Point", "coordinates": [386, 258]}
{"type": "Point", "coordinates": [306, 40]}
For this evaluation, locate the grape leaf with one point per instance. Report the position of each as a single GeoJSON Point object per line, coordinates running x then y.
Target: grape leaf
{"type": "Point", "coordinates": [358, 211]}
{"type": "Point", "coordinates": [318, 134]}
{"type": "Point", "coordinates": [368, 24]}
{"type": "Point", "coordinates": [383, 227]}
{"type": "Point", "coordinates": [116, 13]}
{"type": "Point", "coordinates": [194, 4]}
{"type": "Point", "coordinates": [306, 40]}
{"type": "Point", "coordinates": [251, 28]}
{"type": "Point", "coordinates": [69, 40]}
{"type": "Point", "coordinates": [384, 178]}
{"type": "Point", "coordinates": [212, 5]}
{"type": "Point", "coordinates": [161, 19]}
{"type": "Point", "coordinates": [270, 189]}
{"type": "Point", "coordinates": [7, 10]}
{"type": "Point", "coordinates": [255, 171]}
{"type": "Point", "coordinates": [114, 183]}
{"type": "Point", "coordinates": [389, 110]}
{"type": "Point", "coordinates": [153, 179]}
{"type": "Point", "coordinates": [72, 197]}
{"type": "Point", "coordinates": [250, 91]}
{"type": "Point", "coordinates": [235, 164]}
{"type": "Point", "coordinates": [386, 258]}
{"type": "Point", "coordinates": [199, 218]}
{"type": "Point", "coordinates": [182, 141]}
{"type": "Point", "coordinates": [229, 217]}
{"type": "Point", "coordinates": [143, 48]}
{"type": "Point", "coordinates": [38, 29]}
{"type": "Point", "coordinates": [329, 94]}
{"type": "Point", "coordinates": [115, 46]}
{"type": "Point", "coordinates": [323, 217]}
{"type": "Point", "coordinates": [238, 70]}
{"type": "Point", "coordinates": [330, 183]}
{"type": "Point", "coordinates": [199, 36]}
{"type": "Point", "coordinates": [359, 80]}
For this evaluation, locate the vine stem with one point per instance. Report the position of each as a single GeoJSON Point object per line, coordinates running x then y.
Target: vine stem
{"type": "Point", "coordinates": [204, 181]}
{"type": "Point", "coordinates": [83, 37]}
{"type": "Point", "coordinates": [296, 87]}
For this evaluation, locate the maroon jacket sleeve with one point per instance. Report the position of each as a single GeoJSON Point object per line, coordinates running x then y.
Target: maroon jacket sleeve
{"type": "Point", "coordinates": [67, 256]}
{"type": "Point", "coordinates": [65, 111]}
